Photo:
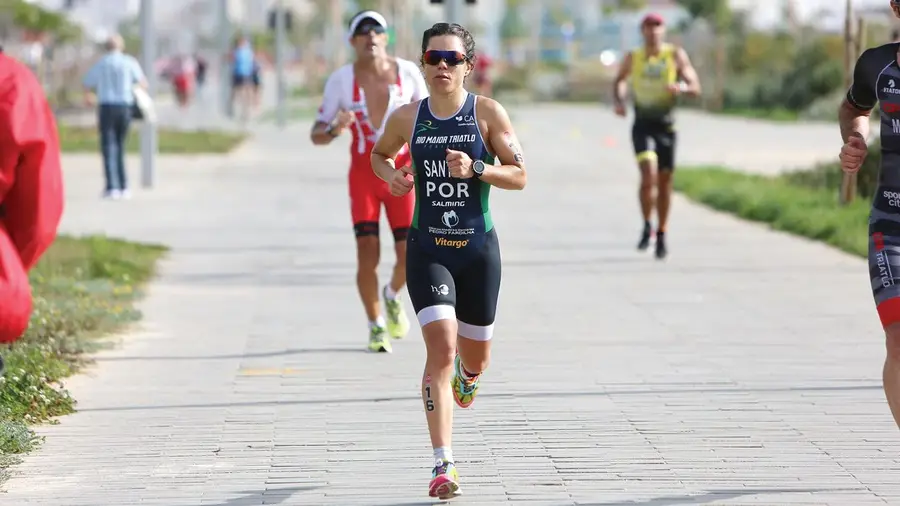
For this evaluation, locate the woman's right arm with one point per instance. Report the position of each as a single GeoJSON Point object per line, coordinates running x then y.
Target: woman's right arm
{"type": "Point", "coordinates": [396, 134]}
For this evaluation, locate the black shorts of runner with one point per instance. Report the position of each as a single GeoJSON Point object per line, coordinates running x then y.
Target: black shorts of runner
{"type": "Point", "coordinates": [255, 79]}
{"type": "Point", "coordinates": [661, 132]}
{"type": "Point", "coordinates": [884, 253]}
{"type": "Point", "coordinates": [239, 80]}
{"type": "Point", "coordinates": [442, 289]}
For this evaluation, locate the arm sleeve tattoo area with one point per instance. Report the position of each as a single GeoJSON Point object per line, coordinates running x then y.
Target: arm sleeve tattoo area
{"type": "Point", "coordinates": [517, 153]}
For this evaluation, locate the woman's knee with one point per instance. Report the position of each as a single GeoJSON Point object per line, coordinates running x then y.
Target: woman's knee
{"type": "Point", "coordinates": [440, 343]}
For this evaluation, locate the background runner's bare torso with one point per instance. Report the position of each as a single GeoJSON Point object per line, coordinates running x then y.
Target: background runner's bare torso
{"type": "Point", "coordinates": [377, 90]}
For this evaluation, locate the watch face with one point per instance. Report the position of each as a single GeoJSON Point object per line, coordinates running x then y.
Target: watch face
{"type": "Point", "coordinates": [478, 166]}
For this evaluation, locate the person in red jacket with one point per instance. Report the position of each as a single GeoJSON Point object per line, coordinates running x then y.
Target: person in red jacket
{"type": "Point", "coordinates": [31, 190]}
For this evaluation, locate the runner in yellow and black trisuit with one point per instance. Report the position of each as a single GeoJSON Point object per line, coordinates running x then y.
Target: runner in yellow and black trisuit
{"type": "Point", "coordinates": [659, 72]}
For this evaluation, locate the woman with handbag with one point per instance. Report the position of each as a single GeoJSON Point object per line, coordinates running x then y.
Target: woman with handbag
{"type": "Point", "coordinates": [113, 79]}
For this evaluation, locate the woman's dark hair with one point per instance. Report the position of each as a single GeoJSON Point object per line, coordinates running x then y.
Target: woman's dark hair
{"type": "Point", "coordinates": [439, 29]}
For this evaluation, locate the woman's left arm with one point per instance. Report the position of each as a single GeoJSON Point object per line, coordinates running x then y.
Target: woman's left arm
{"type": "Point", "coordinates": [502, 140]}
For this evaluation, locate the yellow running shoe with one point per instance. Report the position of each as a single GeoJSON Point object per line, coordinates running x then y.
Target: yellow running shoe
{"type": "Point", "coordinates": [397, 322]}
{"type": "Point", "coordinates": [378, 341]}
{"type": "Point", "coordinates": [464, 390]}
{"type": "Point", "coordinates": [444, 481]}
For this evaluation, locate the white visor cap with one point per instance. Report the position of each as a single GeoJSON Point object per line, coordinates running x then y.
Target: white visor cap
{"type": "Point", "coordinates": [359, 18]}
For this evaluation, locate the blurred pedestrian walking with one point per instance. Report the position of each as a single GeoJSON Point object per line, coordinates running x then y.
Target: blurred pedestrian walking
{"type": "Point", "coordinates": [110, 86]}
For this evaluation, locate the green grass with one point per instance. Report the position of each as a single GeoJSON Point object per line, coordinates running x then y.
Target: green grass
{"type": "Point", "coordinates": [804, 210]}
{"type": "Point", "coordinates": [293, 113]}
{"type": "Point", "coordinates": [306, 91]}
{"type": "Point", "coordinates": [83, 289]}
{"type": "Point", "coordinates": [77, 139]}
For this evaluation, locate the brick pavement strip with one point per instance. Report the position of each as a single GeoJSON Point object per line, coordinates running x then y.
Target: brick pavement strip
{"type": "Point", "coordinates": [744, 370]}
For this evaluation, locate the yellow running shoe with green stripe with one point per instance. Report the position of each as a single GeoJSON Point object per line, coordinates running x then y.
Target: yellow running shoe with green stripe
{"type": "Point", "coordinates": [397, 322]}
{"type": "Point", "coordinates": [464, 390]}
{"type": "Point", "coordinates": [378, 340]}
{"type": "Point", "coordinates": [444, 481]}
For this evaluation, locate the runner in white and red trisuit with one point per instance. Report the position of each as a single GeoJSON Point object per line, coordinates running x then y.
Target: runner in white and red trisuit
{"type": "Point", "coordinates": [361, 96]}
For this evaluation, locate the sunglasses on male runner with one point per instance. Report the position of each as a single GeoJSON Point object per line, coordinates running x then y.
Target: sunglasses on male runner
{"type": "Point", "coordinates": [453, 58]}
{"type": "Point", "coordinates": [367, 27]}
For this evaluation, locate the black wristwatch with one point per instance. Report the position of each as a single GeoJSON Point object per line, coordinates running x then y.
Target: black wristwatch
{"type": "Point", "coordinates": [478, 167]}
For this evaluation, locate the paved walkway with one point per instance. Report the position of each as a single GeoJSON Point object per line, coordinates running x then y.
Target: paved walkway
{"type": "Point", "coordinates": [743, 370]}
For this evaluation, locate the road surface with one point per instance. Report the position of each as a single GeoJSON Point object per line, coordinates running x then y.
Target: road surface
{"type": "Point", "coordinates": [745, 369]}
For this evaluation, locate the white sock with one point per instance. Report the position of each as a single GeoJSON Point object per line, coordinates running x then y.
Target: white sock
{"type": "Point", "coordinates": [442, 454]}
{"type": "Point", "coordinates": [379, 322]}
{"type": "Point", "coordinates": [389, 293]}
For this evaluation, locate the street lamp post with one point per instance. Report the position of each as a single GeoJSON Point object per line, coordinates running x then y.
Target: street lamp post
{"type": "Point", "coordinates": [224, 42]}
{"type": "Point", "coordinates": [148, 129]}
{"type": "Point", "coordinates": [279, 62]}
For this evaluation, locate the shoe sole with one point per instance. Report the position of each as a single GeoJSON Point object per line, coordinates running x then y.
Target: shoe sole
{"type": "Point", "coordinates": [445, 490]}
{"type": "Point", "coordinates": [459, 402]}
{"type": "Point", "coordinates": [461, 405]}
{"type": "Point", "coordinates": [380, 349]}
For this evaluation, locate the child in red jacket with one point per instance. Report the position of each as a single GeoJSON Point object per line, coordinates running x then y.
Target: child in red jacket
{"type": "Point", "coordinates": [31, 190]}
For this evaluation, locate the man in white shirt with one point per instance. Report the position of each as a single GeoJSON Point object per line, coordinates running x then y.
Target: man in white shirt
{"type": "Point", "coordinates": [360, 96]}
{"type": "Point", "coordinates": [110, 85]}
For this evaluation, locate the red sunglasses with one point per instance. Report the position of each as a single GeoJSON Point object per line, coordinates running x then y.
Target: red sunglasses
{"type": "Point", "coordinates": [453, 58]}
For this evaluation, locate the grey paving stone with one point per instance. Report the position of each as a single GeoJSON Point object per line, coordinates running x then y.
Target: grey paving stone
{"type": "Point", "coordinates": [743, 370]}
